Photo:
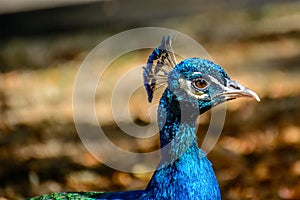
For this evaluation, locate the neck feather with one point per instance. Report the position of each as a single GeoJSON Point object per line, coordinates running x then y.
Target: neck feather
{"type": "Point", "coordinates": [184, 171]}
{"type": "Point", "coordinates": [176, 121]}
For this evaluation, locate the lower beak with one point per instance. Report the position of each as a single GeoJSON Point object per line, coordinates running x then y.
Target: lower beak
{"type": "Point", "coordinates": [235, 90]}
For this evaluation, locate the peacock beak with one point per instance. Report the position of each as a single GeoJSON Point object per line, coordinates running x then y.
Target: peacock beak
{"type": "Point", "coordinates": [235, 90]}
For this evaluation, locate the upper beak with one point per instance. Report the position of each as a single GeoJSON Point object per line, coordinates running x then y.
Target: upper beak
{"type": "Point", "coordinates": [234, 90]}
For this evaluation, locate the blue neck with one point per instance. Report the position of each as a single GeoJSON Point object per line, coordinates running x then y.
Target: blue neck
{"type": "Point", "coordinates": [184, 171]}
{"type": "Point", "coordinates": [177, 129]}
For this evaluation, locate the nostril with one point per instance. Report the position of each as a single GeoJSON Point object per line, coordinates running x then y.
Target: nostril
{"type": "Point", "coordinates": [232, 85]}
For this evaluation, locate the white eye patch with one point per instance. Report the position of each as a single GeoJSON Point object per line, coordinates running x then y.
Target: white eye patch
{"type": "Point", "coordinates": [215, 81]}
{"type": "Point", "coordinates": [186, 85]}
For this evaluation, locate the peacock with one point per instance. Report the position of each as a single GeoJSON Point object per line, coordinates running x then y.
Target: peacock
{"type": "Point", "coordinates": [193, 86]}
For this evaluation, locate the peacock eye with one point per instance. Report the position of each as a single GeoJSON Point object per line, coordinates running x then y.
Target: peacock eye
{"type": "Point", "coordinates": [200, 84]}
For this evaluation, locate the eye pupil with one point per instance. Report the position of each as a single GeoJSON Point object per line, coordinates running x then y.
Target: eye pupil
{"type": "Point", "coordinates": [200, 84]}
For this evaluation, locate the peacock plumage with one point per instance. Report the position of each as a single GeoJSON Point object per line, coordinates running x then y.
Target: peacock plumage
{"type": "Point", "coordinates": [193, 86]}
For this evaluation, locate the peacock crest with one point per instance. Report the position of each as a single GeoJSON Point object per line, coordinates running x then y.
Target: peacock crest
{"type": "Point", "coordinates": [160, 63]}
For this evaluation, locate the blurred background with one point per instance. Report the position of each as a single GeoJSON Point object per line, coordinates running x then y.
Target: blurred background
{"type": "Point", "coordinates": [43, 43]}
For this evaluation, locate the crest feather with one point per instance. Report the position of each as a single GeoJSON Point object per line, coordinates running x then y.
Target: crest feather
{"type": "Point", "coordinates": [159, 64]}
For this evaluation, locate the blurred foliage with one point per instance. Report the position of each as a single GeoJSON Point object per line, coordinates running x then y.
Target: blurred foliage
{"type": "Point", "coordinates": [257, 156]}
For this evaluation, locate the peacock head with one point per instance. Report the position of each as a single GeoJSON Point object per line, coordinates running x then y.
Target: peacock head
{"type": "Point", "coordinates": [194, 82]}
{"type": "Point", "coordinates": [204, 84]}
